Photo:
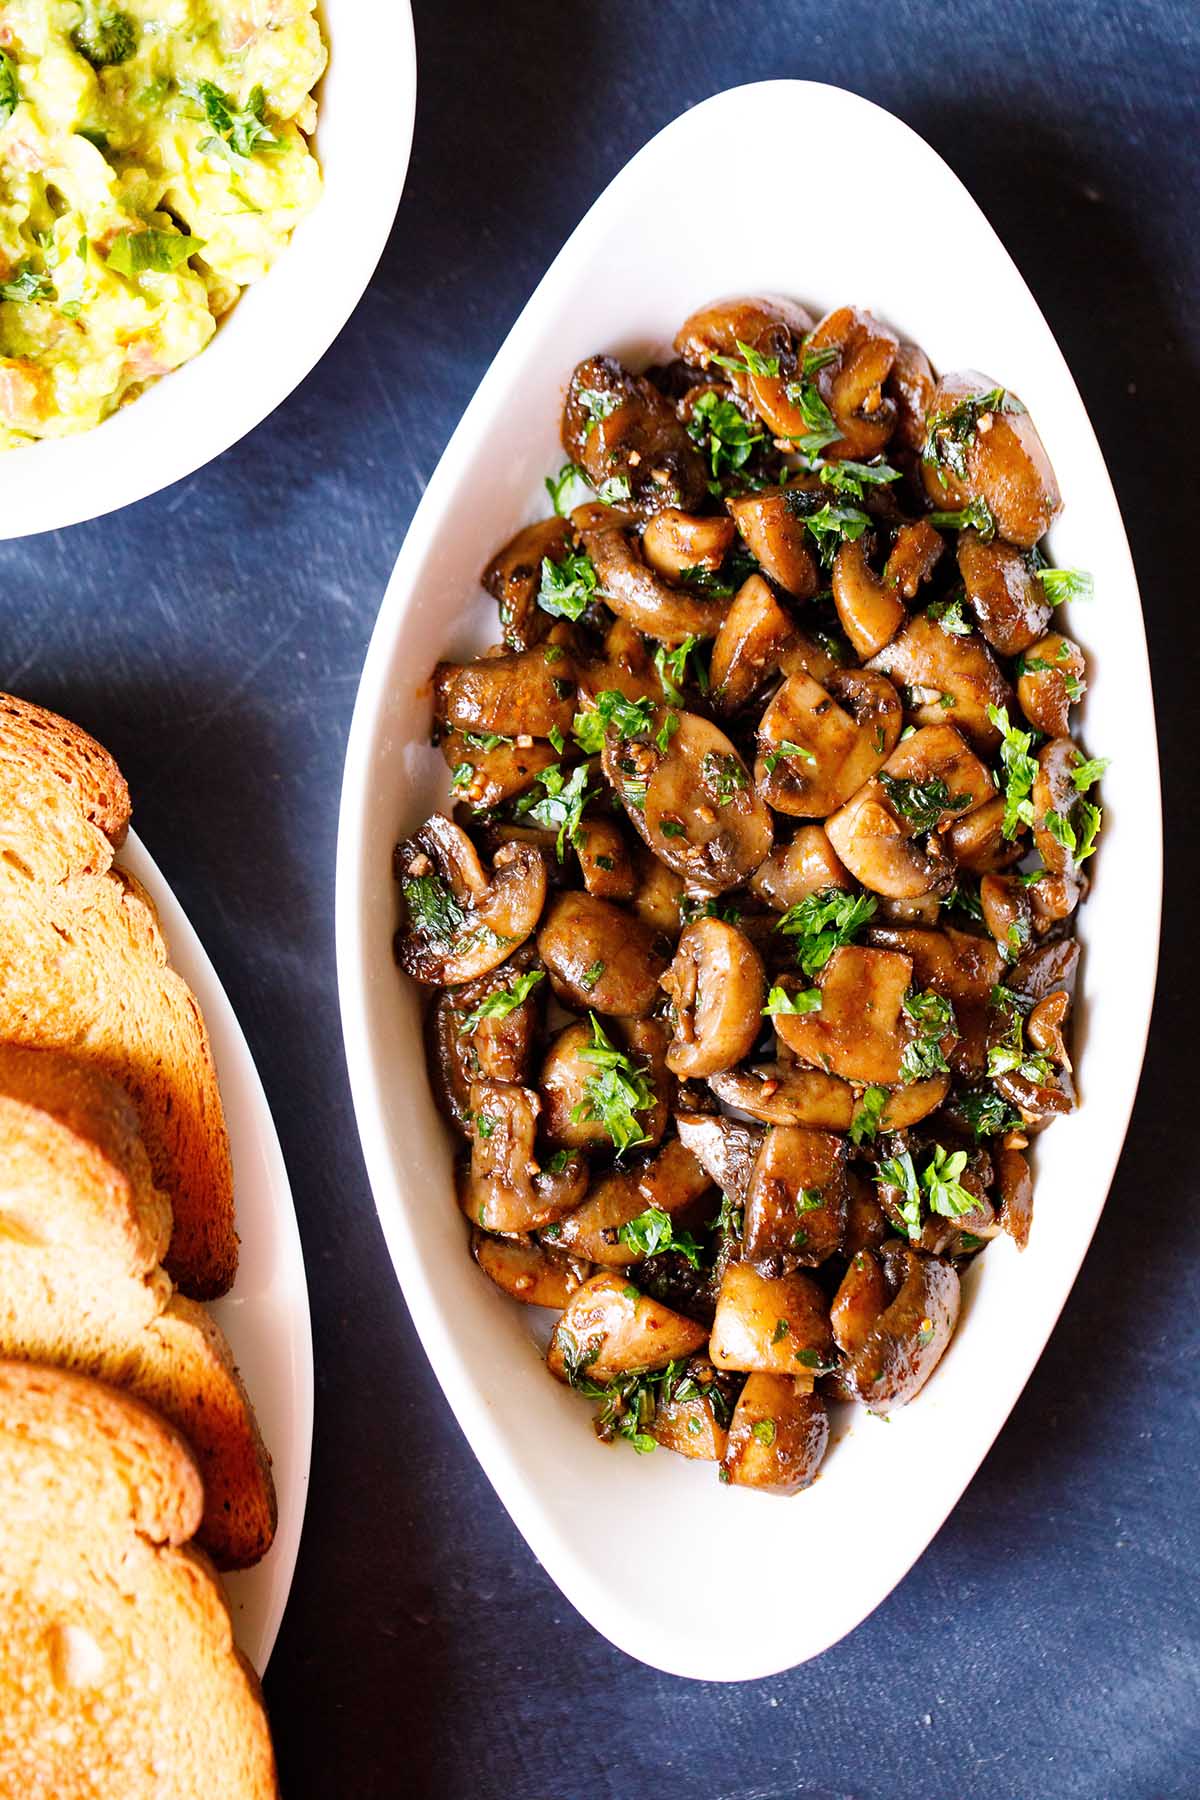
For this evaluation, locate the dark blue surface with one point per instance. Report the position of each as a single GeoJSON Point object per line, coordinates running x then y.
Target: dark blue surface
{"type": "Point", "coordinates": [1046, 1647]}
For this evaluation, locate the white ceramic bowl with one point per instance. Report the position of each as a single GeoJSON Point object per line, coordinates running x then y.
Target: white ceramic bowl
{"type": "Point", "coordinates": [282, 325]}
{"type": "Point", "coordinates": [623, 283]}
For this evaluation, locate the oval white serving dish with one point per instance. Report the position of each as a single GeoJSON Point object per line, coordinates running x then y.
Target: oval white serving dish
{"type": "Point", "coordinates": [623, 283]}
{"type": "Point", "coordinates": [280, 327]}
{"type": "Point", "coordinates": [265, 1315]}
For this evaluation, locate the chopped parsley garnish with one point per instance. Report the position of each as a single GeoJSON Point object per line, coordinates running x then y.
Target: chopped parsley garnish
{"type": "Point", "coordinates": [104, 36]}
{"type": "Point", "coordinates": [615, 490]}
{"type": "Point", "coordinates": [598, 403]}
{"type": "Point", "coordinates": [560, 807]}
{"type": "Point", "coordinates": [1011, 1055]}
{"type": "Point", "coordinates": [782, 1330]}
{"type": "Point", "coordinates": [851, 477]}
{"type": "Point", "coordinates": [721, 431]}
{"type": "Point", "coordinates": [867, 1115]}
{"type": "Point", "coordinates": [964, 896]}
{"type": "Point", "coordinates": [591, 976]}
{"type": "Point", "coordinates": [433, 910]}
{"type": "Point", "coordinates": [1076, 831]}
{"type": "Point", "coordinates": [557, 486]}
{"type": "Point", "coordinates": [937, 1186]}
{"type": "Point", "coordinates": [823, 922]}
{"type": "Point", "coordinates": [820, 427]}
{"type": "Point", "coordinates": [976, 515]}
{"type": "Point", "coordinates": [786, 749]}
{"type": "Point", "coordinates": [934, 1018]}
{"type": "Point", "coordinates": [653, 1231]}
{"type": "Point", "coordinates": [629, 1404]}
{"type": "Point", "coordinates": [830, 524]}
{"type": "Point", "coordinates": [1088, 771]}
{"type": "Point", "coordinates": [722, 775]}
{"type": "Point", "coordinates": [502, 1002]}
{"type": "Point", "coordinates": [672, 668]}
{"type": "Point", "coordinates": [1066, 584]}
{"type": "Point", "coordinates": [27, 285]}
{"type": "Point", "coordinates": [567, 588]}
{"type": "Point", "coordinates": [808, 1000]}
{"type": "Point", "coordinates": [749, 362]}
{"type": "Point", "coordinates": [616, 1094]}
{"type": "Point", "coordinates": [921, 802]}
{"type": "Point", "coordinates": [10, 88]}
{"type": "Point", "coordinates": [1018, 772]}
{"type": "Point", "coordinates": [987, 1112]}
{"type": "Point", "coordinates": [949, 615]}
{"type": "Point", "coordinates": [485, 1125]}
{"type": "Point", "coordinates": [237, 131]}
{"type": "Point", "coordinates": [691, 906]}
{"type": "Point", "coordinates": [630, 719]}
{"type": "Point", "coordinates": [764, 1431]}
{"type": "Point", "coordinates": [947, 434]}
{"type": "Point", "coordinates": [151, 252]}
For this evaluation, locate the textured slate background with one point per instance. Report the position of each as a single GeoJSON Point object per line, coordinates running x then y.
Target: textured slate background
{"type": "Point", "coordinates": [1046, 1648]}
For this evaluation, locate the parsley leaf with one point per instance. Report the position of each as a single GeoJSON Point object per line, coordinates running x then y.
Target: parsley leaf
{"type": "Point", "coordinates": [947, 434]}
{"type": "Point", "coordinates": [616, 1094]}
{"type": "Point", "coordinates": [151, 252]}
{"type": "Point", "coordinates": [562, 483]}
{"type": "Point", "coordinates": [934, 1018]}
{"type": "Point", "coordinates": [851, 477]}
{"type": "Point", "coordinates": [1066, 584]}
{"type": "Point", "coordinates": [823, 922]}
{"type": "Point", "coordinates": [949, 615]}
{"type": "Point", "coordinates": [237, 131]}
{"type": "Point", "coordinates": [599, 404]}
{"type": "Point", "coordinates": [720, 429]}
{"type": "Point", "coordinates": [975, 515]}
{"type": "Point", "coordinates": [567, 588]}
{"type": "Point", "coordinates": [722, 775]}
{"type": "Point", "coordinates": [561, 806]}
{"type": "Point", "coordinates": [785, 748]}
{"type": "Point", "coordinates": [653, 1231]}
{"type": "Point", "coordinates": [987, 1112]}
{"type": "Point", "coordinates": [433, 909]}
{"type": "Point", "coordinates": [27, 285]}
{"type": "Point", "coordinates": [502, 1002]}
{"type": "Point", "coordinates": [672, 668]}
{"type": "Point", "coordinates": [808, 1000]}
{"type": "Point", "coordinates": [937, 1185]}
{"type": "Point", "coordinates": [1010, 1055]}
{"type": "Point", "coordinates": [1088, 771]}
{"type": "Point", "coordinates": [1019, 772]}
{"type": "Point", "coordinates": [867, 1115]}
{"type": "Point", "coordinates": [820, 427]}
{"type": "Point", "coordinates": [922, 802]}
{"type": "Point", "coordinates": [749, 362]}
{"type": "Point", "coordinates": [10, 88]}
{"type": "Point", "coordinates": [832, 525]}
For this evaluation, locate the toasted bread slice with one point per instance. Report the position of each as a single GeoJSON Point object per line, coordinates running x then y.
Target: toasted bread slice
{"type": "Point", "coordinates": [64, 805]}
{"type": "Point", "coordinates": [120, 1676]}
{"type": "Point", "coordinates": [76, 1288]}
{"type": "Point", "coordinates": [83, 967]}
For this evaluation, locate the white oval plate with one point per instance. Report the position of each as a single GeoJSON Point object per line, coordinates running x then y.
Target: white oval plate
{"type": "Point", "coordinates": [282, 326]}
{"type": "Point", "coordinates": [265, 1315]}
{"type": "Point", "coordinates": [623, 283]}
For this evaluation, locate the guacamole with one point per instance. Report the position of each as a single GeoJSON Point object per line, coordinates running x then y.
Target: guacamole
{"type": "Point", "coordinates": [153, 161]}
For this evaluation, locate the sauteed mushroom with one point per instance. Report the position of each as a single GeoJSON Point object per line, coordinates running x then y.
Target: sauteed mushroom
{"type": "Point", "coordinates": [723, 1050]}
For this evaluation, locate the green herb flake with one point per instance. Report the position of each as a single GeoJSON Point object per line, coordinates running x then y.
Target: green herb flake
{"type": "Point", "coordinates": [10, 88]}
{"type": "Point", "coordinates": [921, 802]}
{"type": "Point", "coordinates": [237, 131]}
{"type": "Point", "coordinates": [433, 911]}
{"type": "Point", "coordinates": [653, 1232]}
{"type": "Point", "coordinates": [949, 615]}
{"type": "Point", "coordinates": [822, 922]}
{"type": "Point", "coordinates": [933, 1016]}
{"type": "Point", "coordinates": [502, 1002]}
{"type": "Point", "coordinates": [976, 515]}
{"type": "Point", "coordinates": [948, 434]}
{"type": "Point", "coordinates": [808, 1000]}
{"type": "Point", "coordinates": [783, 750]}
{"type": "Point", "coordinates": [723, 433]}
{"type": "Point", "coordinates": [1018, 772]}
{"type": "Point", "coordinates": [151, 252]}
{"type": "Point", "coordinates": [764, 1431]}
{"type": "Point", "coordinates": [864, 1126]}
{"type": "Point", "coordinates": [616, 1094]}
{"type": "Point", "coordinates": [1060, 585]}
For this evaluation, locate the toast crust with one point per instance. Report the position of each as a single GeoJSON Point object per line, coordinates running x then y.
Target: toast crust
{"type": "Point", "coordinates": [47, 760]}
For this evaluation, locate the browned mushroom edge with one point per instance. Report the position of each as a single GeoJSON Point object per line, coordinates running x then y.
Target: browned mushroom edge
{"type": "Point", "coordinates": [748, 934]}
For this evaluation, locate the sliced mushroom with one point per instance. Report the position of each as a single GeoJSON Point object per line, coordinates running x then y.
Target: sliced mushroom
{"type": "Point", "coordinates": [1042, 970]}
{"type": "Point", "coordinates": [515, 693]}
{"type": "Point", "coordinates": [777, 1324]}
{"type": "Point", "coordinates": [780, 1094]}
{"type": "Point", "coordinates": [778, 538]}
{"type": "Point", "coordinates": [861, 1030]}
{"type": "Point", "coordinates": [485, 777]}
{"type": "Point", "coordinates": [866, 1227]}
{"type": "Point", "coordinates": [887, 835]}
{"type": "Point", "coordinates": [909, 1337]}
{"type": "Point", "coordinates": [914, 556]}
{"type": "Point", "coordinates": [1044, 1028]}
{"type": "Point", "coordinates": [726, 1149]}
{"type": "Point", "coordinates": [778, 1436]}
{"type": "Point", "coordinates": [946, 676]}
{"type": "Point", "coordinates": [1049, 681]}
{"type": "Point", "coordinates": [528, 1272]}
{"type": "Point", "coordinates": [1007, 912]}
{"type": "Point", "coordinates": [687, 1419]}
{"type": "Point", "coordinates": [600, 956]}
{"type": "Point", "coordinates": [796, 1204]}
{"type": "Point", "coordinates": [505, 1188]}
{"type": "Point", "coordinates": [669, 1181]}
{"type": "Point", "coordinates": [851, 385]}
{"type": "Point", "coordinates": [658, 893]}
{"type": "Point", "coordinates": [495, 1048]}
{"type": "Point", "coordinates": [861, 1297]}
{"type": "Point", "coordinates": [911, 384]}
{"type": "Point", "coordinates": [459, 921]}
{"type": "Point", "coordinates": [961, 966]}
{"type": "Point", "coordinates": [821, 752]}
{"type": "Point", "coordinates": [693, 803]}
{"type": "Point", "coordinates": [807, 865]}
{"type": "Point", "coordinates": [819, 654]}
{"type": "Point", "coordinates": [753, 637]}
{"type": "Point", "coordinates": [716, 985]}
{"type": "Point", "coordinates": [906, 1106]}
{"type": "Point", "coordinates": [1054, 791]}
{"type": "Point", "coordinates": [766, 324]}
{"type": "Point", "coordinates": [566, 1072]}
{"type": "Point", "coordinates": [609, 1328]}
{"type": "Point", "coordinates": [1005, 595]}
{"type": "Point", "coordinates": [617, 426]}
{"type": "Point", "coordinates": [978, 843]}
{"type": "Point", "coordinates": [514, 576]}
{"type": "Point", "coordinates": [674, 542]}
{"type": "Point", "coordinates": [999, 453]}
{"type": "Point", "coordinates": [605, 861]}
{"type": "Point", "coordinates": [1016, 1195]}
{"type": "Point", "coordinates": [640, 596]}
{"type": "Point", "coordinates": [868, 607]}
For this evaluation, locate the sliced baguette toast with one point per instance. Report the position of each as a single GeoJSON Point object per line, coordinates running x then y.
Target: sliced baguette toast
{"type": "Point", "coordinates": [119, 1677]}
{"type": "Point", "coordinates": [80, 1286]}
{"type": "Point", "coordinates": [83, 967]}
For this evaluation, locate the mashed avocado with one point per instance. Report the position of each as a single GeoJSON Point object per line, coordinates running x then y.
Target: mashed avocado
{"type": "Point", "coordinates": [152, 163]}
